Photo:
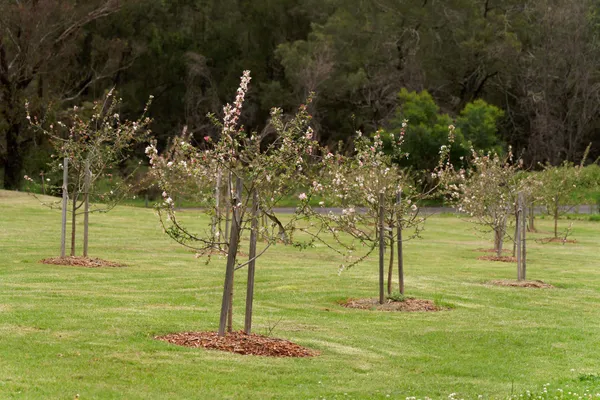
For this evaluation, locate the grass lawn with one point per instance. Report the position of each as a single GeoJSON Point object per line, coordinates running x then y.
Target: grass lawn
{"type": "Point", "coordinates": [69, 330]}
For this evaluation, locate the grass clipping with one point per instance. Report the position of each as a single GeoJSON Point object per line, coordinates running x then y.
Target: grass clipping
{"type": "Point", "coordinates": [81, 262]}
{"type": "Point", "coordinates": [240, 343]}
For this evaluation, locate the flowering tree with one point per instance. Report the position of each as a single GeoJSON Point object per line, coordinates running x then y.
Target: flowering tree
{"type": "Point", "coordinates": [88, 147]}
{"type": "Point", "coordinates": [377, 199]}
{"type": "Point", "coordinates": [486, 192]}
{"type": "Point", "coordinates": [262, 169]}
{"type": "Point", "coordinates": [560, 188]}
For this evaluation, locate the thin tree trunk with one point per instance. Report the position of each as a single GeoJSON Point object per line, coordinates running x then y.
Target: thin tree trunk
{"type": "Point", "coordinates": [381, 249]}
{"type": "Point", "coordinates": [390, 267]}
{"type": "Point", "coordinates": [499, 239]}
{"type": "Point", "coordinates": [524, 240]}
{"type": "Point", "coordinates": [518, 224]}
{"type": "Point", "coordinates": [532, 217]}
{"type": "Point", "coordinates": [230, 308]}
{"type": "Point", "coordinates": [556, 217]}
{"type": "Point", "coordinates": [65, 204]}
{"type": "Point", "coordinates": [74, 220]}
{"type": "Point", "coordinates": [514, 252]}
{"type": "Point", "coordinates": [231, 259]}
{"type": "Point", "coordinates": [399, 246]}
{"type": "Point", "coordinates": [43, 184]}
{"type": "Point", "coordinates": [86, 207]}
{"type": "Point", "coordinates": [15, 151]}
{"type": "Point", "coordinates": [251, 264]}
{"type": "Point", "coordinates": [216, 219]}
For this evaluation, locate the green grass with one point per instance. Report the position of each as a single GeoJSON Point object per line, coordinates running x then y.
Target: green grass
{"type": "Point", "coordinates": [69, 330]}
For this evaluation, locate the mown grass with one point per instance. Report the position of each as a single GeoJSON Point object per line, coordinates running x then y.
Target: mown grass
{"type": "Point", "coordinates": [69, 330]}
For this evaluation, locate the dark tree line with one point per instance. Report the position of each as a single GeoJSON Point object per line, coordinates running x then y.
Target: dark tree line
{"type": "Point", "coordinates": [536, 60]}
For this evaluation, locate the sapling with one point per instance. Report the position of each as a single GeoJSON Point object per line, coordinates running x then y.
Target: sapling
{"type": "Point", "coordinates": [263, 169]}
{"type": "Point", "coordinates": [95, 141]}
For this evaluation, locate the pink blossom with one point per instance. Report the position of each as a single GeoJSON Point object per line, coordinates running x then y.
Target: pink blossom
{"type": "Point", "coordinates": [302, 196]}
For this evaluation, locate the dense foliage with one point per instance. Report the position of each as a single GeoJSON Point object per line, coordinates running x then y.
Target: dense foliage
{"type": "Point", "coordinates": [505, 72]}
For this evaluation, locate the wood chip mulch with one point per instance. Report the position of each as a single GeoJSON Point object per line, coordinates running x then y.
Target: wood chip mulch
{"type": "Point", "coordinates": [523, 284]}
{"type": "Point", "coordinates": [409, 305]}
{"type": "Point", "coordinates": [240, 343]}
{"type": "Point", "coordinates": [81, 262]}
{"type": "Point", "coordinates": [491, 250]}
{"type": "Point", "coordinates": [496, 258]}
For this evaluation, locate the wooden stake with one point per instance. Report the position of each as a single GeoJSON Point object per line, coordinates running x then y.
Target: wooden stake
{"type": "Point", "coordinates": [518, 237]}
{"type": "Point", "coordinates": [65, 203]}
{"type": "Point", "coordinates": [523, 238]}
{"type": "Point", "coordinates": [399, 245]}
{"type": "Point", "coordinates": [251, 264]}
{"type": "Point", "coordinates": [86, 206]}
{"type": "Point", "coordinates": [381, 248]}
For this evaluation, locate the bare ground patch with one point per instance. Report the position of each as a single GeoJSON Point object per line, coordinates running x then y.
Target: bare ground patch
{"type": "Point", "coordinates": [523, 284]}
{"type": "Point", "coordinates": [408, 305]}
{"type": "Point", "coordinates": [240, 343]}
{"type": "Point", "coordinates": [81, 262]}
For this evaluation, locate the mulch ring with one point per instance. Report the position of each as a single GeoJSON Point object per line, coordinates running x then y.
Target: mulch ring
{"type": "Point", "coordinates": [523, 284]}
{"type": "Point", "coordinates": [81, 262]}
{"type": "Point", "coordinates": [556, 240]}
{"type": "Point", "coordinates": [496, 258]}
{"type": "Point", "coordinates": [240, 343]}
{"type": "Point", "coordinates": [409, 304]}
{"type": "Point", "coordinates": [491, 250]}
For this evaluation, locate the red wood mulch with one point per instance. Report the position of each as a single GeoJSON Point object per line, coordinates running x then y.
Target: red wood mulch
{"type": "Point", "coordinates": [490, 250]}
{"type": "Point", "coordinates": [240, 343]}
{"type": "Point", "coordinates": [409, 304]}
{"type": "Point", "coordinates": [523, 284]}
{"type": "Point", "coordinates": [81, 262]}
{"type": "Point", "coordinates": [496, 258]}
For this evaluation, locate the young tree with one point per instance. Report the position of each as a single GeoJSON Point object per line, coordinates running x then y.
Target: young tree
{"type": "Point", "coordinates": [90, 146]}
{"type": "Point", "coordinates": [262, 169]}
{"type": "Point", "coordinates": [486, 192]}
{"type": "Point", "coordinates": [378, 203]}
{"type": "Point", "coordinates": [561, 188]}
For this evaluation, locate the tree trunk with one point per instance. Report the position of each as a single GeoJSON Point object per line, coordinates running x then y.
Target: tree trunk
{"type": "Point", "coordinates": [381, 249]}
{"type": "Point", "coordinates": [65, 204]}
{"type": "Point", "coordinates": [13, 165]}
{"type": "Point", "coordinates": [556, 217]}
{"type": "Point", "coordinates": [74, 220]}
{"type": "Point", "coordinates": [518, 224]}
{"type": "Point", "coordinates": [251, 264]}
{"type": "Point", "coordinates": [86, 207]}
{"type": "Point", "coordinates": [231, 258]}
{"type": "Point", "coordinates": [399, 246]}
{"type": "Point", "coordinates": [390, 267]}
{"type": "Point", "coordinates": [523, 239]}
{"type": "Point", "coordinates": [499, 238]}
{"type": "Point", "coordinates": [532, 217]}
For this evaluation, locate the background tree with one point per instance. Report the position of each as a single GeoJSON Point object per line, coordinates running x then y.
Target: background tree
{"type": "Point", "coordinates": [39, 40]}
{"type": "Point", "coordinates": [487, 192]}
{"type": "Point", "coordinates": [95, 141]}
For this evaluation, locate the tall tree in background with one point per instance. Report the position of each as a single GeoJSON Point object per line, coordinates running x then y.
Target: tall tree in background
{"type": "Point", "coordinates": [40, 40]}
{"type": "Point", "coordinates": [560, 91]}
